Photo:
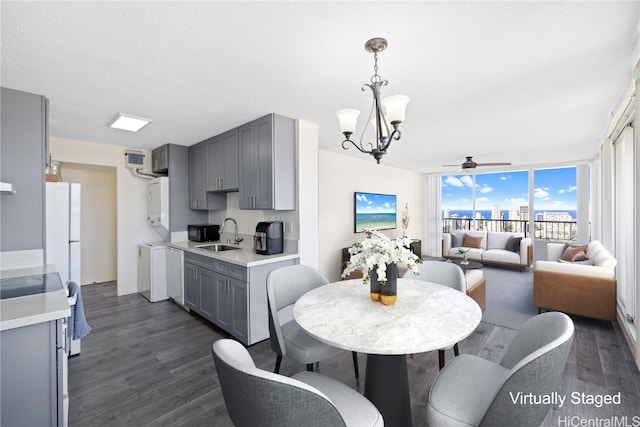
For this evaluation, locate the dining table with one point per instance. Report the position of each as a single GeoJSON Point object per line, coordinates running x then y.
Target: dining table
{"type": "Point", "coordinates": [426, 317]}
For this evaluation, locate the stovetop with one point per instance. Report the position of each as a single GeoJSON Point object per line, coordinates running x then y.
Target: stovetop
{"type": "Point", "coordinates": [12, 287]}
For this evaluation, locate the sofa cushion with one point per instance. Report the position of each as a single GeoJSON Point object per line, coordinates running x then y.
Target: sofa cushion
{"type": "Point", "coordinates": [473, 277]}
{"type": "Point", "coordinates": [571, 251]}
{"type": "Point", "coordinates": [499, 239]}
{"type": "Point", "coordinates": [513, 244]}
{"type": "Point", "coordinates": [600, 255]}
{"type": "Point", "coordinates": [501, 256]}
{"type": "Point", "coordinates": [472, 241]}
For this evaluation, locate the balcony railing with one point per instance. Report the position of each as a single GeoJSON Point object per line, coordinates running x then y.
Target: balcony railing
{"type": "Point", "coordinates": [542, 230]}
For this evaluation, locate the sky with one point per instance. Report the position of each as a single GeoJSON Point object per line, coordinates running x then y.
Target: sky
{"type": "Point", "coordinates": [554, 189]}
{"type": "Point", "coordinates": [375, 203]}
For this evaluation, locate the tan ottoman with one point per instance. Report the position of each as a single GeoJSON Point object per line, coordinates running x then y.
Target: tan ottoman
{"type": "Point", "coordinates": [476, 287]}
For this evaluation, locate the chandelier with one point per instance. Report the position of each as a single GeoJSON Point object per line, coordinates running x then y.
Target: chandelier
{"type": "Point", "coordinates": [388, 112]}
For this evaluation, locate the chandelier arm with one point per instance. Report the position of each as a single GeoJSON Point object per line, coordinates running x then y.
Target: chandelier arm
{"type": "Point", "coordinates": [355, 145]}
{"type": "Point", "coordinates": [395, 135]}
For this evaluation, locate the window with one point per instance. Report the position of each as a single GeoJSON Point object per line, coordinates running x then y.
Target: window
{"type": "Point", "coordinates": [499, 201]}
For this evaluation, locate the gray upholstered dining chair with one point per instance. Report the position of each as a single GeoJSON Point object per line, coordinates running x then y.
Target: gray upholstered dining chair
{"type": "Point", "coordinates": [255, 397]}
{"type": "Point", "coordinates": [284, 286]}
{"type": "Point", "coordinates": [472, 391]}
{"type": "Point", "coordinates": [446, 274]}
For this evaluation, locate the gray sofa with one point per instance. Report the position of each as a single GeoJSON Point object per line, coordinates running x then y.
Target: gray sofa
{"type": "Point", "coordinates": [494, 248]}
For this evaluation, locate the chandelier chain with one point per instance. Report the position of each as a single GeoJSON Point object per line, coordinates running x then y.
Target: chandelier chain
{"type": "Point", "coordinates": [375, 78]}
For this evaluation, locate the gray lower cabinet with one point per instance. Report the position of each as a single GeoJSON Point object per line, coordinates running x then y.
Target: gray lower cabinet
{"type": "Point", "coordinates": [232, 291]}
{"type": "Point", "coordinates": [33, 368]}
{"type": "Point", "coordinates": [231, 296]}
{"type": "Point", "coordinates": [199, 284]}
{"type": "Point", "coordinates": [268, 163]}
{"type": "Point", "coordinates": [222, 162]}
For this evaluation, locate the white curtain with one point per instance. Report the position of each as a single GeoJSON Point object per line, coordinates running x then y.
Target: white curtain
{"type": "Point", "coordinates": [624, 195]}
{"type": "Point", "coordinates": [433, 209]}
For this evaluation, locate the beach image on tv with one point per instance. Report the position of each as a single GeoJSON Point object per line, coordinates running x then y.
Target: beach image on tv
{"type": "Point", "coordinates": [374, 211]}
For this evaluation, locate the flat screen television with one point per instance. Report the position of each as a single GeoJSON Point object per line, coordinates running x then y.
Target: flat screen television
{"type": "Point", "coordinates": [374, 211]}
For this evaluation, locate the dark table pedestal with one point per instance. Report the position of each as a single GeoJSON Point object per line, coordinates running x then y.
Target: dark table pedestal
{"type": "Point", "coordinates": [387, 387]}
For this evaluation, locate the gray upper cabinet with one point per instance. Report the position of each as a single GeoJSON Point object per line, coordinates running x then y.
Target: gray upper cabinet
{"type": "Point", "coordinates": [24, 135]}
{"type": "Point", "coordinates": [174, 160]}
{"type": "Point", "coordinates": [199, 198]}
{"type": "Point", "coordinates": [197, 191]}
{"type": "Point", "coordinates": [222, 162]}
{"type": "Point", "coordinates": [268, 164]}
{"type": "Point", "coordinates": [160, 159]}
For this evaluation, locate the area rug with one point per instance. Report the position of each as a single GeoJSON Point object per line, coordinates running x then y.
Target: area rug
{"type": "Point", "coordinates": [509, 297]}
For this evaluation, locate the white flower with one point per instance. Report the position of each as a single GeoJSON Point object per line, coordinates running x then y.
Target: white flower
{"type": "Point", "coordinates": [377, 251]}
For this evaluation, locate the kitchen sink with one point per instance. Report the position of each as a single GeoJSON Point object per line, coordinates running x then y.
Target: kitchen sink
{"type": "Point", "coordinates": [218, 247]}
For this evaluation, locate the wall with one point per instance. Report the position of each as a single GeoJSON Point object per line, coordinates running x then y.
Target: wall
{"type": "Point", "coordinates": [339, 177]}
{"type": "Point", "coordinates": [131, 202]}
{"type": "Point", "coordinates": [98, 215]}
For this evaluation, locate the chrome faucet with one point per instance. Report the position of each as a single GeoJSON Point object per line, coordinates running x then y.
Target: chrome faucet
{"type": "Point", "coordinates": [236, 238]}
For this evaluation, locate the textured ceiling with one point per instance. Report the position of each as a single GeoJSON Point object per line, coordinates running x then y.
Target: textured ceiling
{"type": "Point", "coordinates": [525, 82]}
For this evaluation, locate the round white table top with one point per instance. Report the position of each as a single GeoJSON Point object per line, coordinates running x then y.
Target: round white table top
{"type": "Point", "coordinates": [426, 317]}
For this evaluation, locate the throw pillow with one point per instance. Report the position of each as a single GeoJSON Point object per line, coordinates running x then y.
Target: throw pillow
{"type": "Point", "coordinates": [513, 244]}
{"type": "Point", "coordinates": [580, 256]}
{"type": "Point", "coordinates": [472, 241]}
{"type": "Point", "coordinates": [456, 240]}
{"type": "Point", "coordinates": [571, 251]}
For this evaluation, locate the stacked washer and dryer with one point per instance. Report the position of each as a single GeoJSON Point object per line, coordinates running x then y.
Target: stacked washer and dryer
{"type": "Point", "coordinates": [160, 268]}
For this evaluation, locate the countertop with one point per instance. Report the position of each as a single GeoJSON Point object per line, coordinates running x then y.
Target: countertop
{"type": "Point", "coordinates": [31, 309]}
{"type": "Point", "coordinates": [245, 256]}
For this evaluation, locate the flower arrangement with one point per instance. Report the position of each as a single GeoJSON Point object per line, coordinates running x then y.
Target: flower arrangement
{"type": "Point", "coordinates": [463, 252]}
{"type": "Point", "coordinates": [377, 251]}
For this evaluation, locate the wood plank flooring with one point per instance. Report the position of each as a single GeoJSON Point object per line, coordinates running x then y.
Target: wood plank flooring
{"type": "Point", "coordinates": [147, 364]}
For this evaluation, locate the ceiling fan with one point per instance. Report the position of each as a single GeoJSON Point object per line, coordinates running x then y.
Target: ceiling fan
{"type": "Point", "coordinates": [470, 164]}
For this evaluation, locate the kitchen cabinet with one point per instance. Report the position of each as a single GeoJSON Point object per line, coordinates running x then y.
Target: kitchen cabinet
{"type": "Point", "coordinates": [199, 199]}
{"type": "Point", "coordinates": [24, 135]}
{"type": "Point", "coordinates": [267, 163]}
{"type": "Point", "coordinates": [33, 364]}
{"type": "Point", "coordinates": [232, 299]}
{"type": "Point", "coordinates": [232, 296]}
{"type": "Point", "coordinates": [173, 162]}
{"type": "Point", "coordinates": [200, 285]}
{"type": "Point", "coordinates": [160, 159]}
{"type": "Point", "coordinates": [222, 162]}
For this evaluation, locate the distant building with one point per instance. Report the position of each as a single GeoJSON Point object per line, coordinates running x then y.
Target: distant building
{"type": "Point", "coordinates": [496, 213]}
{"type": "Point", "coordinates": [557, 216]}
{"type": "Point", "coordinates": [524, 212]}
{"type": "Point", "coordinates": [447, 213]}
{"type": "Point", "coordinates": [514, 214]}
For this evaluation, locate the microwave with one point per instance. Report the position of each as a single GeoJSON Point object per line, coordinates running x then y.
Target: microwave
{"type": "Point", "coordinates": [203, 232]}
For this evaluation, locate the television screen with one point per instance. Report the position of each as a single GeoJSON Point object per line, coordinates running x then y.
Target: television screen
{"type": "Point", "coordinates": [374, 211]}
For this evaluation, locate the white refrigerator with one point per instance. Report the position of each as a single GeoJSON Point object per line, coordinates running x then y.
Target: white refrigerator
{"type": "Point", "coordinates": [63, 236]}
{"type": "Point", "coordinates": [63, 229]}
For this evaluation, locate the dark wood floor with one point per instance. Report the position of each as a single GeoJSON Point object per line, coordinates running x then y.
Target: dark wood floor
{"type": "Point", "coordinates": [150, 364]}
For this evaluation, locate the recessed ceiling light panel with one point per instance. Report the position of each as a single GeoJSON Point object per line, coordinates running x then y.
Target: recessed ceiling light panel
{"type": "Point", "coordinates": [127, 122]}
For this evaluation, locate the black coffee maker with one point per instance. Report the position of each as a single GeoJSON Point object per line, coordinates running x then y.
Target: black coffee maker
{"type": "Point", "coordinates": [268, 238]}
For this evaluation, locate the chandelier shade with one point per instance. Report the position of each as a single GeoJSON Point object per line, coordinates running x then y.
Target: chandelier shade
{"type": "Point", "coordinates": [348, 119]}
{"type": "Point", "coordinates": [390, 111]}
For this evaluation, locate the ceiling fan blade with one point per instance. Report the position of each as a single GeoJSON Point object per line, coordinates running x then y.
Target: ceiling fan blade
{"type": "Point", "coordinates": [494, 164]}
{"type": "Point", "coordinates": [452, 165]}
